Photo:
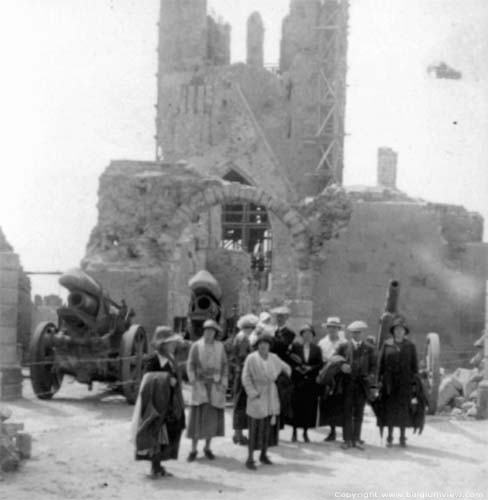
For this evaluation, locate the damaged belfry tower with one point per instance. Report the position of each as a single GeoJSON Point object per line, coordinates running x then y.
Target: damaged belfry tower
{"type": "Point", "coordinates": [248, 163]}
{"type": "Point", "coordinates": [247, 185]}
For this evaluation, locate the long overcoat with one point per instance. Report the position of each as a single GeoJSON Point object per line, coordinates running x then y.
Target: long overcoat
{"type": "Point", "coordinates": [397, 370]}
{"type": "Point", "coordinates": [305, 388]}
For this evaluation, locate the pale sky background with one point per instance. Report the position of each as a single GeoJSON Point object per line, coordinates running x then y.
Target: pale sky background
{"type": "Point", "coordinates": [78, 89]}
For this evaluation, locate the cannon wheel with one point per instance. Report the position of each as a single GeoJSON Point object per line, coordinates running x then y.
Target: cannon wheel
{"type": "Point", "coordinates": [432, 361]}
{"type": "Point", "coordinates": [133, 347]}
{"type": "Point", "coordinates": [45, 378]}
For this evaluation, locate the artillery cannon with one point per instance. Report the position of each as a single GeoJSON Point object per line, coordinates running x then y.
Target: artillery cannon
{"type": "Point", "coordinates": [94, 340]}
{"type": "Point", "coordinates": [204, 303]}
{"type": "Point", "coordinates": [431, 358]}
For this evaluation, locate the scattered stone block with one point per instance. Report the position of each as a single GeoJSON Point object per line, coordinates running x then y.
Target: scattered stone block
{"type": "Point", "coordinates": [468, 405]}
{"type": "Point", "coordinates": [450, 388]}
{"type": "Point", "coordinates": [24, 445]}
{"type": "Point", "coordinates": [457, 413]}
{"type": "Point", "coordinates": [469, 379]}
{"type": "Point", "coordinates": [11, 429]}
{"type": "Point", "coordinates": [459, 401]}
{"type": "Point", "coordinates": [5, 413]}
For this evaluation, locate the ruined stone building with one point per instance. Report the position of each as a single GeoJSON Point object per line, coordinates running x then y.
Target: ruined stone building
{"type": "Point", "coordinates": [15, 319]}
{"type": "Point", "coordinates": [247, 184]}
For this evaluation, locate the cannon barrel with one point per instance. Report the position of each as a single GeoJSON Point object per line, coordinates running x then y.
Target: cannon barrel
{"type": "Point", "coordinates": [391, 308]}
{"type": "Point", "coordinates": [392, 294]}
{"type": "Point", "coordinates": [78, 280]}
{"type": "Point", "coordinates": [84, 302]}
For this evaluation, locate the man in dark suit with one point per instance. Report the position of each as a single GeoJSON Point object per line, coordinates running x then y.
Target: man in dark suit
{"type": "Point", "coordinates": [284, 336]}
{"type": "Point", "coordinates": [282, 345]}
{"type": "Point", "coordinates": [358, 373]}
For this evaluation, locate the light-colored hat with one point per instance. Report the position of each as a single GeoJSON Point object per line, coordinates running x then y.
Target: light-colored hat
{"type": "Point", "coordinates": [357, 326]}
{"type": "Point", "coordinates": [281, 311]}
{"type": "Point", "coordinates": [164, 334]}
{"type": "Point", "coordinates": [247, 321]}
{"type": "Point", "coordinates": [210, 323]}
{"type": "Point", "coordinates": [264, 317]}
{"type": "Point", "coordinates": [333, 321]}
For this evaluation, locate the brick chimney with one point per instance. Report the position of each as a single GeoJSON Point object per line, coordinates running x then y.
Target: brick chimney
{"type": "Point", "coordinates": [387, 167]}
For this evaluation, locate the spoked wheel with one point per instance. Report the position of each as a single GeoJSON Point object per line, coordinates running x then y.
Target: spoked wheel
{"type": "Point", "coordinates": [432, 361]}
{"type": "Point", "coordinates": [45, 377]}
{"type": "Point", "coordinates": [133, 347]}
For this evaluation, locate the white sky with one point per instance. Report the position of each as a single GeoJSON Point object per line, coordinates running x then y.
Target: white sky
{"type": "Point", "coordinates": [78, 89]}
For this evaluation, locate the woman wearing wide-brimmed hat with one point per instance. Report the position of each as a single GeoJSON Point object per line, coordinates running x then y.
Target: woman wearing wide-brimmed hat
{"type": "Point", "coordinates": [261, 369]}
{"type": "Point", "coordinates": [159, 414]}
{"type": "Point", "coordinates": [207, 373]}
{"type": "Point", "coordinates": [241, 348]}
{"type": "Point", "coordinates": [307, 359]}
{"type": "Point", "coordinates": [397, 371]}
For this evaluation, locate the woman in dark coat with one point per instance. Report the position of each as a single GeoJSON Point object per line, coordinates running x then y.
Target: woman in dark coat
{"type": "Point", "coordinates": [159, 415]}
{"type": "Point", "coordinates": [307, 359]}
{"type": "Point", "coordinates": [397, 372]}
{"type": "Point", "coordinates": [241, 347]}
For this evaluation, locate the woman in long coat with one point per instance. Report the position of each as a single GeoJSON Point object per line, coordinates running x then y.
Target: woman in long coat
{"type": "Point", "coordinates": [159, 414]}
{"type": "Point", "coordinates": [207, 373]}
{"type": "Point", "coordinates": [261, 369]}
{"type": "Point", "coordinates": [397, 371]}
{"type": "Point", "coordinates": [241, 348]}
{"type": "Point", "coordinates": [307, 359]}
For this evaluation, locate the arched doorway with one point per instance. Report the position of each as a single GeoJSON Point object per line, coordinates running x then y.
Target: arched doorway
{"type": "Point", "coordinates": [246, 227]}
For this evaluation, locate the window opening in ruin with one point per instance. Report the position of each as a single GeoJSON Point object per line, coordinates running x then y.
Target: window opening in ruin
{"type": "Point", "coordinates": [246, 227]}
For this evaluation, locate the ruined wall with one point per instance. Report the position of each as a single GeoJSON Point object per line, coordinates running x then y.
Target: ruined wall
{"type": "Point", "coordinates": [24, 304]}
{"type": "Point", "coordinates": [218, 42]}
{"type": "Point", "coordinates": [255, 40]}
{"type": "Point", "coordinates": [182, 34]}
{"type": "Point", "coordinates": [299, 32]}
{"type": "Point", "coordinates": [210, 114]}
{"type": "Point", "coordinates": [404, 241]}
{"type": "Point", "coordinates": [159, 223]}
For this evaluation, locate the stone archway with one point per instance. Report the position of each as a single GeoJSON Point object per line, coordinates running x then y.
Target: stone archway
{"type": "Point", "coordinates": [224, 192]}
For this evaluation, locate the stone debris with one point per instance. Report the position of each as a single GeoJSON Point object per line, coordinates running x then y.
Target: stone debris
{"type": "Point", "coordinates": [14, 444]}
{"type": "Point", "coordinates": [458, 392]}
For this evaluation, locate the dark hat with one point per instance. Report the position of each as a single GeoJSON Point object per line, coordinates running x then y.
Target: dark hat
{"type": "Point", "coordinates": [265, 338]}
{"type": "Point", "coordinates": [306, 328]}
{"type": "Point", "coordinates": [399, 320]}
{"type": "Point", "coordinates": [210, 323]}
{"type": "Point", "coordinates": [164, 334]}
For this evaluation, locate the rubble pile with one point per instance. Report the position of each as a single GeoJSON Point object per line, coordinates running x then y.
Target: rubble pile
{"type": "Point", "coordinates": [458, 393]}
{"type": "Point", "coordinates": [15, 445]}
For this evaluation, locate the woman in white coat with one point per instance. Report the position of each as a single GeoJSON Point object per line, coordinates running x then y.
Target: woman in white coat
{"type": "Point", "coordinates": [259, 375]}
{"type": "Point", "coordinates": [207, 373]}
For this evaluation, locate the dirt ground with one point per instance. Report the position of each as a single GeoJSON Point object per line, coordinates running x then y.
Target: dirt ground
{"type": "Point", "coordinates": [81, 450]}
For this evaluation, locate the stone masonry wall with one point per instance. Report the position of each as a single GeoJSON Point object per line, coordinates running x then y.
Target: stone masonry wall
{"type": "Point", "coordinates": [159, 224]}
{"type": "Point", "coordinates": [404, 241]}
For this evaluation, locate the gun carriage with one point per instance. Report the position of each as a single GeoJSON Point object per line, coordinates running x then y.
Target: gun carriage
{"type": "Point", "coordinates": [94, 340]}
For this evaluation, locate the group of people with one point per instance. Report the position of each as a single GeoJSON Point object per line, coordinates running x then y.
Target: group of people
{"type": "Point", "coordinates": [279, 379]}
